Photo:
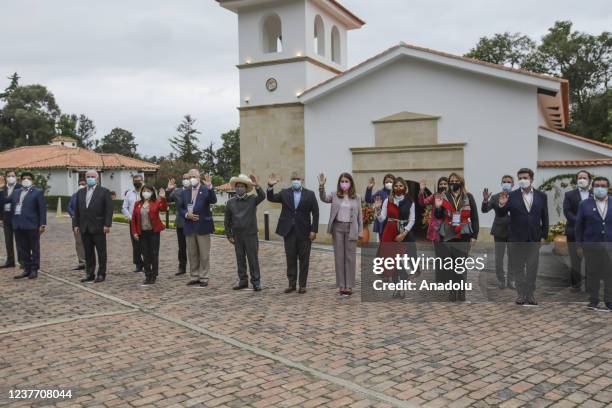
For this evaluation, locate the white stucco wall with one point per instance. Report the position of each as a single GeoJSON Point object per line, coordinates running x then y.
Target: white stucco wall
{"type": "Point", "coordinates": [497, 119]}
{"type": "Point", "coordinates": [59, 181]}
{"type": "Point", "coordinates": [553, 150]}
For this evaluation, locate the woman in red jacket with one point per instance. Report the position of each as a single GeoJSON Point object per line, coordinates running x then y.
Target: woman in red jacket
{"type": "Point", "coordinates": [146, 226]}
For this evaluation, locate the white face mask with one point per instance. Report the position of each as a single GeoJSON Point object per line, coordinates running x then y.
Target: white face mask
{"type": "Point", "coordinates": [27, 183]}
{"type": "Point", "coordinates": [186, 182]}
{"type": "Point", "coordinates": [524, 183]}
{"type": "Point", "coordinates": [146, 195]}
{"type": "Point", "coordinates": [389, 186]}
{"type": "Point", "coordinates": [194, 181]}
{"type": "Point", "coordinates": [11, 180]}
{"type": "Point", "coordinates": [583, 183]}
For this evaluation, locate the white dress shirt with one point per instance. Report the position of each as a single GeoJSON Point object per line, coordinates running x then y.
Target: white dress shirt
{"type": "Point", "coordinates": [584, 194]}
{"type": "Point", "coordinates": [602, 207]}
{"type": "Point", "coordinates": [528, 198]}
{"type": "Point", "coordinates": [129, 201]}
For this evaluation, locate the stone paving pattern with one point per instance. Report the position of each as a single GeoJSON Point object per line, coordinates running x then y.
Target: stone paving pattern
{"type": "Point", "coordinates": [55, 334]}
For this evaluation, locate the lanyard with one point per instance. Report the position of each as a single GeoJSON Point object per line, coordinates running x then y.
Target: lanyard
{"type": "Point", "coordinates": [456, 201]}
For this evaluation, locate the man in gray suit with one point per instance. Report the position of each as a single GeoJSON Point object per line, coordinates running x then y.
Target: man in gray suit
{"type": "Point", "coordinates": [499, 230]}
{"type": "Point", "coordinates": [174, 194]}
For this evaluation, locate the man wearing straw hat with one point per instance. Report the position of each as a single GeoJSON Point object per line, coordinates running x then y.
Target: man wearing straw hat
{"type": "Point", "coordinates": [241, 228]}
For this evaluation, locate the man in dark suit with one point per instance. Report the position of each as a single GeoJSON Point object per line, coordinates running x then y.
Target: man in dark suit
{"type": "Point", "coordinates": [175, 194]}
{"type": "Point", "coordinates": [571, 202]}
{"type": "Point", "coordinates": [29, 217]}
{"type": "Point", "coordinates": [298, 224]}
{"type": "Point", "coordinates": [195, 209]}
{"type": "Point", "coordinates": [93, 218]}
{"type": "Point", "coordinates": [8, 186]}
{"type": "Point", "coordinates": [499, 230]}
{"type": "Point", "coordinates": [594, 234]}
{"type": "Point", "coordinates": [528, 210]}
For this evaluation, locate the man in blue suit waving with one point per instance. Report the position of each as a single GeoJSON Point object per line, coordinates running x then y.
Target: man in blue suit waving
{"type": "Point", "coordinates": [29, 216]}
{"type": "Point", "coordinates": [528, 209]}
{"type": "Point", "coordinates": [594, 234]}
{"type": "Point", "coordinates": [195, 209]}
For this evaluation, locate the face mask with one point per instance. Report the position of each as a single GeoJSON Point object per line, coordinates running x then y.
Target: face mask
{"type": "Point", "coordinates": [600, 192]}
{"type": "Point", "coordinates": [137, 185]}
{"type": "Point", "coordinates": [345, 185]}
{"type": "Point", "coordinates": [454, 187]}
{"type": "Point", "coordinates": [27, 183]}
{"type": "Point", "coordinates": [389, 186]}
{"type": "Point", "coordinates": [506, 187]}
{"type": "Point", "coordinates": [524, 183]}
{"type": "Point", "coordinates": [11, 180]}
{"type": "Point", "coordinates": [399, 193]}
{"type": "Point", "coordinates": [583, 183]}
{"type": "Point", "coordinates": [146, 195]}
{"type": "Point", "coordinates": [441, 189]}
{"type": "Point", "coordinates": [186, 183]}
{"type": "Point", "coordinates": [194, 181]}
{"type": "Point", "coordinates": [91, 181]}
{"type": "Point", "coordinates": [296, 184]}
{"type": "Point", "coordinates": [240, 190]}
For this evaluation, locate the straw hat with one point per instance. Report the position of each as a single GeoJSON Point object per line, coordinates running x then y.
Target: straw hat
{"type": "Point", "coordinates": [244, 179]}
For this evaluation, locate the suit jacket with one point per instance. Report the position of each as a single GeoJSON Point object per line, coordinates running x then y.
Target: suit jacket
{"type": "Point", "coordinates": [176, 196]}
{"type": "Point", "coordinates": [571, 202]}
{"type": "Point", "coordinates": [72, 204]}
{"type": "Point", "coordinates": [526, 226]}
{"type": "Point", "coordinates": [204, 225]}
{"type": "Point", "coordinates": [33, 210]}
{"type": "Point", "coordinates": [500, 223]}
{"type": "Point", "coordinates": [356, 219]}
{"type": "Point", "coordinates": [6, 199]}
{"type": "Point", "coordinates": [98, 215]}
{"type": "Point", "coordinates": [304, 219]}
{"type": "Point", "coordinates": [590, 227]}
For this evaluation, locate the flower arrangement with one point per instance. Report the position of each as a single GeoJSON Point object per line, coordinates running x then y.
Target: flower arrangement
{"type": "Point", "coordinates": [555, 230]}
{"type": "Point", "coordinates": [426, 216]}
{"type": "Point", "coordinates": [368, 213]}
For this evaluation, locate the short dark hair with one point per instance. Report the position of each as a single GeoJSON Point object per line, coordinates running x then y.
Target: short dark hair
{"type": "Point", "coordinates": [26, 174]}
{"type": "Point", "coordinates": [388, 176]}
{"type": "Point", "coordinates": [6, 173]}
{"type": "Point", "coordinates": [589, 175]}
{"type": "Point", "coordinates": [602, 178]}
{"type": "Point", "coordinates": [508, 176]}
{"type": "Point", "coordinates": [525, 170]}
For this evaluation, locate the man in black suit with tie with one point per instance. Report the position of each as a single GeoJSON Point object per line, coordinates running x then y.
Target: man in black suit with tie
{"type": "Point", "coordinates": [528, 210]}
{"type": "Point", "coordinates": [93, 219]}
{"type": "Point", "coordinates": [7, 187]}
{"type": "Point", "coordinates": [298, 224]}
{"type": "Point", "coordinates": [571, 203]}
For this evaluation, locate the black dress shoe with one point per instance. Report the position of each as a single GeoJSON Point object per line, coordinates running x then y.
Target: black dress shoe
{"type": "Point", "coordinates": [180, 272]}
{"type": "Point", "coordinates": [511, 284]}
{"type": "Point", "coordinates": [593, 305]}
{"type": "Point", "coordinates": [290, 289]}
{"type": "Point", "coordinates": [531, 300]}
{"type": "Point", "coordinates": [193, 282]}
{"type": "Point", "coordinates": [100, 279]}
{"type": "Point", "coordinates": [241, 286]}
{"type": "Point", "coordinates": [24, 274]}
{"type": "Point", "coordinates": [88, 279]}
{"type": "Point", "coordinates": [302, 290]}
{"type": "Point", "coordinates": [257, 288]}
{"type": "Point", "coordinates": [33, 275]}
{"type": "Point", "coordinates": [520, 300]}
{"type": "Point", "coordinates": [79, 268]}
{"type": "Point", "coordinates": [7, 265]}
{"type": "Point", "coordinates": [203, 284]}
{"type": "Point", "coordinates": [147, 281]}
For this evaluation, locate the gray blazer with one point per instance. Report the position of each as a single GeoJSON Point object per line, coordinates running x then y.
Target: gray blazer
{"type": "Point", "coordinates": [356, 227]}
{"type": "Point", "coordinates": [500, 224]}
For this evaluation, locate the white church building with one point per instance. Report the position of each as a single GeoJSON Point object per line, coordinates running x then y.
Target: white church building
{"type": "Point", "coordinates": [411, 111]}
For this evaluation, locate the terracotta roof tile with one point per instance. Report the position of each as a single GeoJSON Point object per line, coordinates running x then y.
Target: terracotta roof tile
{"type": "Point", "coordinates": [575, 163]}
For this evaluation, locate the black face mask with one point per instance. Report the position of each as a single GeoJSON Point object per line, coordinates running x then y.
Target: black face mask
{"type": "Point", "coordinates": [441, 189]}
{"type": "Point", "coordinates": [137, 185]}
{"type": "Point", "coordinates": [454, 187]}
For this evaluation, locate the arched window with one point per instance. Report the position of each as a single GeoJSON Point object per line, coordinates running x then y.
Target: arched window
{"type": "Point", "coordinates": [272, 34]}
{"type": "Point", "coordinates": [335, 44]}
{"type": "Point", "coordinates": [319, 36]}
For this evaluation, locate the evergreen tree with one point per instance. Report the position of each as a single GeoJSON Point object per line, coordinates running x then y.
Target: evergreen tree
{"type": "Point", "coordinates": [185, 144]}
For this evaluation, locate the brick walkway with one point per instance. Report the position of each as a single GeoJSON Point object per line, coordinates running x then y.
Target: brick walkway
{"type": "Point", "coordinates": [120, 344]}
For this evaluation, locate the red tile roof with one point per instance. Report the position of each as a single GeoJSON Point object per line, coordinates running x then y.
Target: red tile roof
{"type": "Point", "coordinates": [575, 163]}
{"type": "Point", "coordinates": [576, 137]}
{"type": "Point", "coordinates": [55, 156]}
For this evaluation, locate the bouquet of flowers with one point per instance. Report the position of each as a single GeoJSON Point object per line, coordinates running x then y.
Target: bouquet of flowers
{"type": "Point", "coordinates": [426, 216]}
{"type": "Point", "coordinates": [368, 213]}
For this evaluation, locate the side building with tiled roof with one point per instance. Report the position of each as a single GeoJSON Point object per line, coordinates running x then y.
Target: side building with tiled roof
{"type": "Point", "coordinates": [63, 163]}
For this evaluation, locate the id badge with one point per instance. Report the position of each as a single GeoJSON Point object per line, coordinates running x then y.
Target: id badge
{"type": "Point", "coordinates": [7, 207]}
{"type": "Point", "coordinates": [190, 208]}
{"type": "Point", "coordinates": [18, 209]}
{"type": "Point", "coordinates": [456, 218]}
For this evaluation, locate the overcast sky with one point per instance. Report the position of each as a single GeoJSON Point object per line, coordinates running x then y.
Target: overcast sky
{"type": "Point", "coordinates": [143, 64]}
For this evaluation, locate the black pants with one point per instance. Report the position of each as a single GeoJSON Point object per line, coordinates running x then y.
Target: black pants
{"type": "Point", "coordinates": [598, 268]}
{"type": "Point", "coordinates": [28, 245]}
{"type": "Point", "coordinates": [438, 272]}
{"type": "Point", "coordinates": [456, 248]}
{"type": "Point", "coordinates": [247, 247]}
{"type": "Point", "coordinates": [575, 262]}
{"type": "Point", "coordinates": [9, 243]}
{"type": "Point", "coordinates": [149, 243]}
{"type": "Point", "coordinates": [136, 251]}
{"type": "Point", "coordinates": [501, 245]}
{"type": "Point", "coordinates": [94, 243]}
{"type": "Point", "coordinates": [297, 248]}
{"type": "Point", "coordinates": [182, 249]}
{"type": "Point", "coordinates": [526, 256]}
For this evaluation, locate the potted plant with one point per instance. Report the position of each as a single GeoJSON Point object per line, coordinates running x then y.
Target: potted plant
{"type": "Point", "coordinates": [556, 234]}
{"type": "Point", "coordinates": [368, 214]}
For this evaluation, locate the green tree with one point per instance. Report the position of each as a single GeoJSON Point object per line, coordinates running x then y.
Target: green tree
{"type": "Point", "coordinates": [28, 117]}
{"type": "Point", "coordinates": [12, 86]}
{"type": "Point", "coordinates": [512, 50]}
{"type": "Point", "coordinates": [209, 160]}
{"type": "Point", "coordinates": [185, 144]}
{"type": "Point", "coordinates": [228, 155]}
{"type": "Point", "coordinates": [85, 132]}
{"type": "Point", "coordinates": [118, 141]}
{"type": "Point", "coordinates": [67, 124]}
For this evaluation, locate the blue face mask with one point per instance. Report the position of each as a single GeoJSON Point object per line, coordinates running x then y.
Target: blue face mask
{"type": "Point", "coordinates": [506, 187]}
{"type": "Point", "coordinates": [600, 192]}
{"type": "Point", "coordinates": [91, 181]}
{"type": "Point", "coordinates": [296, 184]}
